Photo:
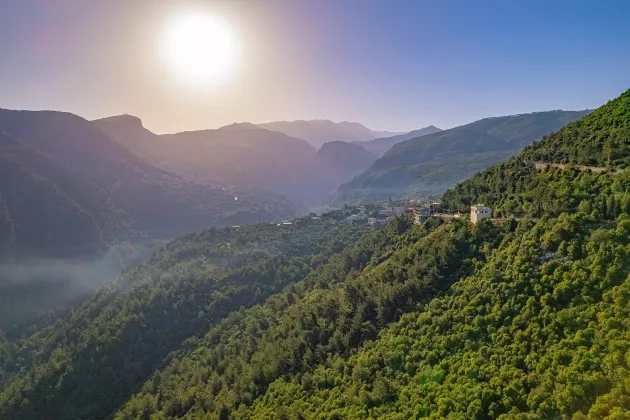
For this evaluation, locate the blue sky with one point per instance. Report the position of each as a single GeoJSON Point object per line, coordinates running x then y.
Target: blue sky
{"type": "Point", "coordinates": [395, 65]}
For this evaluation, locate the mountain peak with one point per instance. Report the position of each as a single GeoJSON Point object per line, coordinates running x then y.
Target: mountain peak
{"type": "Point", "coordinates": [317, 132]}
{"type": "Point", "coordinates": [127, 120]}
{"type": "Point", "coordinates": [240, 126]}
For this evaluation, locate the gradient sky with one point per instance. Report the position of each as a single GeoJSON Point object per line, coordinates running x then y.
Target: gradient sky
{"type": "Point", "coordinates": [391, 65]}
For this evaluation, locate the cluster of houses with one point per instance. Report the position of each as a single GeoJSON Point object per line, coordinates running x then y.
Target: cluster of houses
{"type": "Point", "coordinates": [380, 214]}
{"type": "Point", "coordinates": [420, 212]}
{"type": "Point", "coordinates": [376, 215]}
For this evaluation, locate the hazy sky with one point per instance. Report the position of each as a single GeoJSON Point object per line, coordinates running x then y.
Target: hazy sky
{"type": "Point", "coordinates": [395, 64]}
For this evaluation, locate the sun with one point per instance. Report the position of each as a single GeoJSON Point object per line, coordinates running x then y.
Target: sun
{"type": "Point", "coordinates": [200, 49]}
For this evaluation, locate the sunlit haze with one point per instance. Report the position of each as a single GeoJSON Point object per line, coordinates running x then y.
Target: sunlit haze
{"type": "Point", "coordinates": [402, 65]}
{"type": "Point", "coordinates": [200, 48]}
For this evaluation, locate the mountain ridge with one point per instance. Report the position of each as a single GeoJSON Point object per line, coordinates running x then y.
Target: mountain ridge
{"type": "Point", "coordinates": [379, 146]}
{"type": "Point", "coordinates": [151, 196]}
{"type": "Point", "coordinates": [344, 159]}
{"type": "Point", "coordinates": [523, 316]}
{"type": "Point", "coordinates": [246, 155]}
{"type": "Point", "coordinates": [318, 132]}
{"type": "Point", "coordinates": [468, 148]}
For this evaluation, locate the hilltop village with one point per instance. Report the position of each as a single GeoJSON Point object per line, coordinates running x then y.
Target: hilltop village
{"type": "Point", "coordinates": [380, 214]}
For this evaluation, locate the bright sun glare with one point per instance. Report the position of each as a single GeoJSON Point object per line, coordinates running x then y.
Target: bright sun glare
{"type": "Point", "coordinates": [200, 48]}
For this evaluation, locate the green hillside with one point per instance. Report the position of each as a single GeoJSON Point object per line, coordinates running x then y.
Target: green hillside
{"type": "Point", "coordinates": [534, 332]}
{"type": "Point", "coordinates": [76, 207]}
{"type": "Point", "coordinates": [535, 327]}
{"type": "Point", "coordinates": [538, 330]}
{"type": "Point", "coordinates": [522, 318]}
{"type": "Point", "coordinates": [421, 180]}
{"type": "Point", "coordinates": [399, 270]}
{"type": "Point", "coordinates": [516, 187]}
{"type": "Point", "coordinates": [600, 139]}
{"type": "Point", "coordinates": [100, 353]}
{"type": "Point", "coordinates": [466, 149]}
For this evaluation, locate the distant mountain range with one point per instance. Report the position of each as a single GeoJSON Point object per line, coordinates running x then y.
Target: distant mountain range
{"type": "Point", "coordinates": [431, 163]}
{"type": "Point", "coordinates": [70, 189]}
{"type": "Point", "coordinates": [379, 146]}
{"type": "Point", "coordinates": [318, 132]}
{"type": "Point", "coordinates": [244, 155]}
{"type": "Point", "coordinates": [109, 178]}
{"type": "Point", "coordinates": [525, 316]}
{"type": "Point", "coordinates": [344, 160]}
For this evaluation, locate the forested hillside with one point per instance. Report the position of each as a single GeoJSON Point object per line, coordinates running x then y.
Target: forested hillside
{"type": "Point", "coordinates": [517, 187]}
{"type": "Point", "coordinates": [537, 331]}
{"type": "Point", "coordinates": [428, 179]}
{"type": "Point", "coordinates": [76, 207]}
{"type": "Point", "coordinates": [101, 352]}
{"type": "Point", "coordinates": [601, 139]}
{"type": "Point", "coordinates": [310, 325]}
{"type": "Point", "coordinates": [518, 318]}
{"type": "Point", "coordinates": [194, 227]}
{"type": "Point", "coordinates": [532, 322]}
{"type": "Point", "coordinates": [407, 168]}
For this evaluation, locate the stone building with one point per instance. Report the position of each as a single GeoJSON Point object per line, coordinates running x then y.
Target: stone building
{"type": "Point", "coordinates": [479, 212]}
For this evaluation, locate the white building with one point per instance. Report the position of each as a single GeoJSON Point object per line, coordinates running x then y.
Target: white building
{"type": "Point", "coordinates": [479, 212]}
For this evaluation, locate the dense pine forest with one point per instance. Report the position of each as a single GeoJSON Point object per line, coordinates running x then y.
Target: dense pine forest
{"type": "Point", "coordinates": [523, 317]}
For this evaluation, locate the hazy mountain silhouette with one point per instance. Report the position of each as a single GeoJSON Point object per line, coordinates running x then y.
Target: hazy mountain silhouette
{"type": "Point", "coordinates": [157, 201]}
{"type": "Point", "coordinates": [318, 132]}
{"type": "Point", "coordinates": [343, 159]}
{"type": "Point", "coordinates": [246, 156]}
{"type": "Point", "coordinates": [253, 156]}
{"type": "Point", "coordinates": [201, 160]}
